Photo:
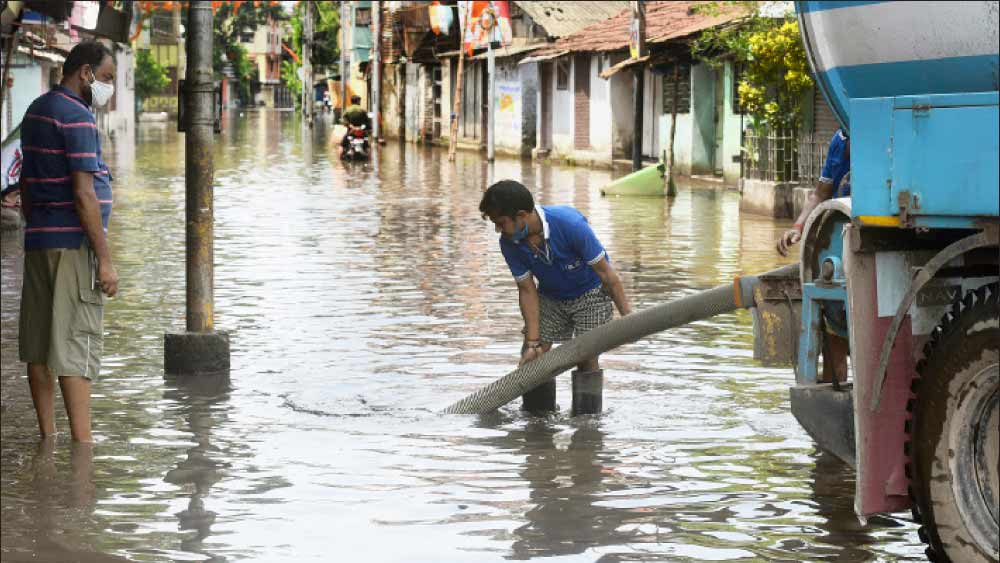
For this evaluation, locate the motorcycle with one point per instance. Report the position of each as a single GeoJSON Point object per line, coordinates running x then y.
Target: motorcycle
{"type": "Point", "coordinates": [357, 147]}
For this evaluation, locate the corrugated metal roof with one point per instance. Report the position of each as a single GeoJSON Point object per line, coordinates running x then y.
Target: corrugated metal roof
{"type": "Point", "coordinates": [564, 18]}
{"type": "Point", "coordinates": [664, 21]}
{"type": "Point", "coordinates": [518, 46]}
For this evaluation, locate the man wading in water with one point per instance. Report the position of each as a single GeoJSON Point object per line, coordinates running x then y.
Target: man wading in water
{"type": "Point", "coordinates": [66, 198]}
{"type": "Point", "coordinates": [576, 282]}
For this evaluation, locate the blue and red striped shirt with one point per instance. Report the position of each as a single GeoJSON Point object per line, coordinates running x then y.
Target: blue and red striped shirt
{"type": "Point", "coordinates": [58, 137]}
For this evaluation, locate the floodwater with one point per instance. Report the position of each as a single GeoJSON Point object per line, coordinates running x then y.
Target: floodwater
{"type": "Point", "coordinates": [360, 301]}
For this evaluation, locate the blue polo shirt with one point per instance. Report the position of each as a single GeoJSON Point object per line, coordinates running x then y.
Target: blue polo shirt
{"type": "Point", "coordinates": [563, 264]}
{"type": "Point", "coordinates": [837, 165]}
{"type": "Point", "coordinates": [58, 137]}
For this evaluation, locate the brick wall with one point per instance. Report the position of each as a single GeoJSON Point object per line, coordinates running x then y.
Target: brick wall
{"type": "Point", "coordinates": [581, 102]}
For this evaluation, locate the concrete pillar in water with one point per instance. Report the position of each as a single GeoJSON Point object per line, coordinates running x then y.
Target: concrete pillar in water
{"type": "Point", "coordinates": [588, 392]}
{"type": "Point", "coordinates": [200, 349]}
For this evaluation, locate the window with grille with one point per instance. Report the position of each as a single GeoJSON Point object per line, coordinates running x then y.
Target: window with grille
{"type": "Point", "coordinates": [739, 70]}
{"type": "Point", "coordinates": [683, 88]}
{"type": "Point", "coordinates": [562, 74]}
{"type": "Point", "coordinates": [362, 17]}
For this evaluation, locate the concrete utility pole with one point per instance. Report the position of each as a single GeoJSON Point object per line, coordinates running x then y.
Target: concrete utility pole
{"type": "Point", "coordinates": [638, 49]}
{"type": "Point", "coordinates": [200, 349]}
{"type": "Point", "coordinates": [345, 72]}
{"type": "Point", "coordinates": [491, 71]}
{"type": "Point", "coordinates": [307, 72]}
{"type": "Point", "coordinates": [457, 110]}
{"type": "Point", "coordinates": [377, 70]}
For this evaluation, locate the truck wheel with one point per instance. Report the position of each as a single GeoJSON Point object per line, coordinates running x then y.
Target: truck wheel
{"type": "Point", "coordinates": [955, 433]}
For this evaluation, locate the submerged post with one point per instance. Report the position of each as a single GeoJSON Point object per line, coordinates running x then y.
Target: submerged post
{"type": "Point", "coordinates": [637, 49]}
{"type": "Point", "coordinates": [376, 69]}
{"type": "Point", "coordinates": [345, 71]}
{"type": "Point", "coordinates": [200, 349]}
{"type": "Point", "coordinates": [491, 70]}
{"type": "Point", "coordinates": [307, 70]}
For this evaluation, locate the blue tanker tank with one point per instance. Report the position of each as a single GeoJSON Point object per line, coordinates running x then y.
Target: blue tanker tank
{"type": "Point", "coordinates": [915, 84]}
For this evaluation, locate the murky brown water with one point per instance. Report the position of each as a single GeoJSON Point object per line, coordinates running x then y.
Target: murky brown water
{"type": "Point", "coordinates": [360, 301]}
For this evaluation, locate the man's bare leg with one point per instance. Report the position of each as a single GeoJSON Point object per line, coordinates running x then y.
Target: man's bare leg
{"type": "Point", "coordinates": [43, 389]}
{"type": "Point", "coordinates": [76, 396]}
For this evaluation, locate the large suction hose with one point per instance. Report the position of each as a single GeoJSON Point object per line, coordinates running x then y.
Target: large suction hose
{"type": "Point", "coordinates": [702, 305]}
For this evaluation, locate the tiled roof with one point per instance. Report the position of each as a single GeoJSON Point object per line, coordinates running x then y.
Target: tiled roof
{"type": "Point", "coordinates": [664, 21]}
{"type": "Point", "coordinates": [562, 18]}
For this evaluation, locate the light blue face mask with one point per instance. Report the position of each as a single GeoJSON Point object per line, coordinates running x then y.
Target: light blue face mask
{"type": "Point", "coordinates": [518, 236]}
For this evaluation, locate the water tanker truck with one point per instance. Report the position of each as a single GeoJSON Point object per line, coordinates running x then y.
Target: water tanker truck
{"type": "Point", "coordinates": [906, 269]}
{"type": "Point", "coordinates": [909, 264]}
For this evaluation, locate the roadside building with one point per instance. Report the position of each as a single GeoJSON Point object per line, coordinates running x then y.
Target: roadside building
{"type": "Point", "coordinates": [43, 37]}
{"type": "Point", "coordinates": [263, 46]}
{"type": "Point", "coordinates": [421, 85]}
{"type": "Point", "coordinates": [161, 36]}
{"type": "Point", "coordinates": [586, 100]}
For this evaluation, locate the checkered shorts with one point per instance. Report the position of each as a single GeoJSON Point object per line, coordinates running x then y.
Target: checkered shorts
{"type": "Point", "coordinates": [562, 320]}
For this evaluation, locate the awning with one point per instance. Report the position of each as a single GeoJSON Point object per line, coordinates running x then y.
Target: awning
{"type": "Point", "coordinates": [543, 57]}
{"type": "Point", "coordinates": [509, 51]}
{"type": "Point", "coordinates": [45, 54]}
{"type": "Point", "coordinates": [615, 69]}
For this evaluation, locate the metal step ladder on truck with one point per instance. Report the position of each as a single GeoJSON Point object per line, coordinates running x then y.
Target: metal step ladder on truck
{"type": "Point", "coordinates": [907, 267]}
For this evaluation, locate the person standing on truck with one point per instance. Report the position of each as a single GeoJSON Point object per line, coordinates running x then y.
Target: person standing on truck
{"type": "Point", "coordinates": [554, 244]}
{"type": "Point", "coordinates": [834, 181]}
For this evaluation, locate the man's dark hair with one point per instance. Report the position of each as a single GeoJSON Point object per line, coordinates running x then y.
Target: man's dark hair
{"type": "Point", "coordinates": [86, 53]}
{"type": "Point", "coordinates": [505, 198]}
{"type": "Point", "coordinates": [355, 99]}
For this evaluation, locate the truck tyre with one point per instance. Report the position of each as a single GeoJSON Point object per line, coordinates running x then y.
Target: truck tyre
{"type": "Point", "coordinates": [953, 443]}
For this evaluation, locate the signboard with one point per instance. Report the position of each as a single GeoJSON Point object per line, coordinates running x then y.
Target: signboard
{"type": "Point", "coordinates": [483, 22]}
{"type": "Point", "coordinates": [637, 31]}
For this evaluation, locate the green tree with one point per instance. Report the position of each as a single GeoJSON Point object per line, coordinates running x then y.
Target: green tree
{"type": "Point", "coordinates": [776, 76]}
{"type": "Point", "coordinates": [325, 52]}
{"type": "Point", "coordinates": [229, 27]}
{"type": "Point", "coordinates": [150, 76]}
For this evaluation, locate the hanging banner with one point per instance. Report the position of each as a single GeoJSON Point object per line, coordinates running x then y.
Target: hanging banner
{"type": "Point", "coordinates": [483, 21]}
{"type": "Point", "coordinates": [441, 18]}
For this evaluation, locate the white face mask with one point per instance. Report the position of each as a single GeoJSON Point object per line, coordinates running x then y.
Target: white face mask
{"type": "Point", "coordinates": [101, 91]}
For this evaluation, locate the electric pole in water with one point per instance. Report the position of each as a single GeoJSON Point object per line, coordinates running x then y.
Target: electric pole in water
{"type": "Point", "coordinates": [198, 350]}
{"type": "Point", "coordinates": [637, 48]}
{"type": "Point", "coordinates": [377, 70]}
{"type": "Point", "coordinates": [345, 71]}
{"type": "Point", "coordinates": [307, 73]}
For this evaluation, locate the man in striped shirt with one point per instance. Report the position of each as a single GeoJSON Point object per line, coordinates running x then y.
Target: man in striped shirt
{"type": "Point", "coordinates": [66, 198]}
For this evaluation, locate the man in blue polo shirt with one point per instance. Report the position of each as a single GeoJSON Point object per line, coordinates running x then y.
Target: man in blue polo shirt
{"type": "Point", "coordinates": [576, 282]}
{"type": "Point", "coordinates": [66, 198]}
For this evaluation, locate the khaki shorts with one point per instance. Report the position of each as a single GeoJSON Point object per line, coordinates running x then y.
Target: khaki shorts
{"type": "Point", "coordinates": [62, 311]}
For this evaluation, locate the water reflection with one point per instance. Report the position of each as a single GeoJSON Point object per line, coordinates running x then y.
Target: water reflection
{"type": "Point", "coordinates": [201, 404]}
{"type": "Point", "coordinates": [564, 483]}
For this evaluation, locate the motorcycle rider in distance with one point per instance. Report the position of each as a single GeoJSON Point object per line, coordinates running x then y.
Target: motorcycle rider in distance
{"type": "Point", "coordinates": [354, 117]}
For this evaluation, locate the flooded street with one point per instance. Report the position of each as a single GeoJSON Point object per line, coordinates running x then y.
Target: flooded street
{"type": "Point", "coordinates": [360, 301]}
